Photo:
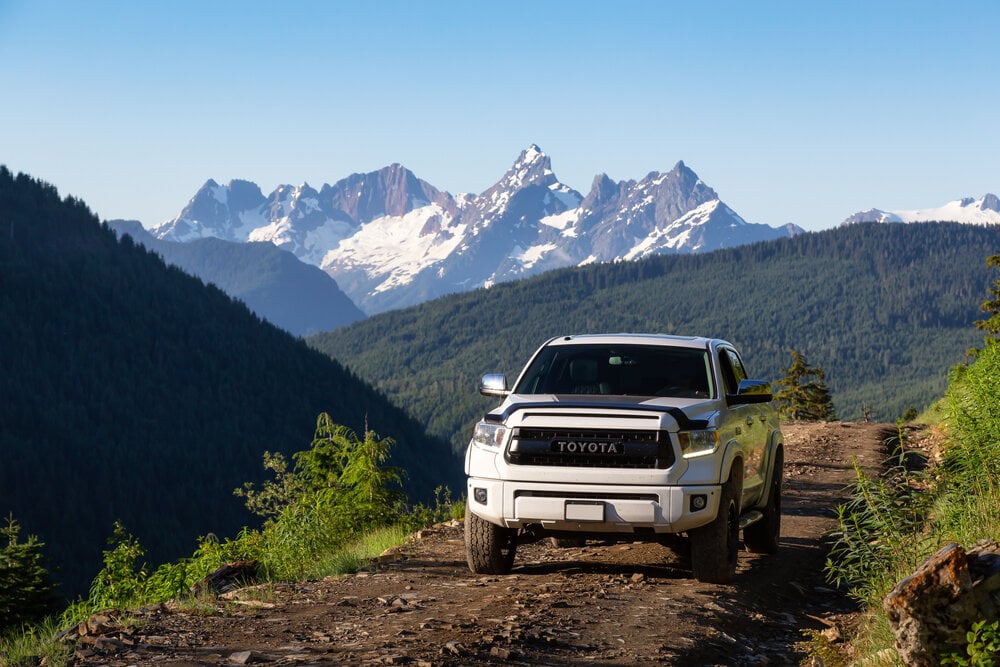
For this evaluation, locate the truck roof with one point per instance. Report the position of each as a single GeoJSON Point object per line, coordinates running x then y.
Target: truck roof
{"type": "Point", "coordinates": [636, 339]}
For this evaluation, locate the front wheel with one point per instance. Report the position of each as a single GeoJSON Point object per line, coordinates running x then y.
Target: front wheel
{"type": "Point", "coordinates": [715, 547]}
{"type": "Point", "coordinates": [763, 536]}
{"type": "Point", "coordinates": [489, 548]}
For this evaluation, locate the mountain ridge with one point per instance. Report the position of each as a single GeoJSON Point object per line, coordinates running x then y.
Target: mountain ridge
{"type": "Point", "coordinates": [967, 210]}
{"type": "Point", "coordinates": [392, 240]}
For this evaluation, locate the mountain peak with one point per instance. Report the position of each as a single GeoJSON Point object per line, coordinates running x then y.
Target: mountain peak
{"type": "Point", "coordinates": [531, 157]}
{"type": "Point", "coordinates": [532, 167]}
{"type": "Point", "coordinates": [681, 169]}
{"type": "Point", "coordinates": [532, 153]}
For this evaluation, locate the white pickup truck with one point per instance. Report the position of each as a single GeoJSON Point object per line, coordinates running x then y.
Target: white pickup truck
{"type": "Point", "coordinates": [626, 437]}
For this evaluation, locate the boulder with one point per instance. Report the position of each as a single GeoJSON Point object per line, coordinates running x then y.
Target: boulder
{"type": "Point", "coordinates": [228, 577]}
{"type": "Point", "coordinates": [931, 610]}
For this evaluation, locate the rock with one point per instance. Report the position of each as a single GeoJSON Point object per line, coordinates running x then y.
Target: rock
{"type": "Point", "coordinates": [454, 648]}
{"type": "Point", "coordinates": [931, 610]}
{"type": "Point", "coordinates": [502, 653]}
{"type": "Point", "coordinates": [244, 658]}
{"type": "Point", "coordinates": [228, 577]}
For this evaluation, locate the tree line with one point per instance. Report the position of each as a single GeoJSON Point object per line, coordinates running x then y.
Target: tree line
{"type": "Point", "coordinates": [884, 309]}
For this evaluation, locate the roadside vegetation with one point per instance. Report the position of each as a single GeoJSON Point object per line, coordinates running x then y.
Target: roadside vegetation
{"type": "Point", "coordinates": [331, 511]}
{"type": "Point", "coordinates": [897, 519]}
{"type": "Point", "coordinates": [803, 394]}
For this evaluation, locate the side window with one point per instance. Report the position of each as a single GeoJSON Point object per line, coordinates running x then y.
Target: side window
{"type": "Point", "coordinates": [732, 370]}
{"type": "Point", "coordinates": [738, 371]}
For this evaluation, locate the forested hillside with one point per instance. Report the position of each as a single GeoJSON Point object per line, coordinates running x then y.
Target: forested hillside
{"type": "Point", "coordinates": [885, 310]}
{"type": "Point", "coordinates": [131, 391]}
{"type": "Point", "coordinates": [300, 298]}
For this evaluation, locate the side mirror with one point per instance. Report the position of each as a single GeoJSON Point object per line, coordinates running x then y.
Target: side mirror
{"type": "Point", "coordinates": [494, 384]}
{"type": "Point", "coordinates": [751, 391]}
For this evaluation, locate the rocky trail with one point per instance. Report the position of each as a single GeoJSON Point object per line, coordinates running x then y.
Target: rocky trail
{"type": "Point", "coordinates": [600, 604]}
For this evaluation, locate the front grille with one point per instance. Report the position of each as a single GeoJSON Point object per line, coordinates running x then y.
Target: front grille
{"type": "Point", "coordinates": [590, 448]}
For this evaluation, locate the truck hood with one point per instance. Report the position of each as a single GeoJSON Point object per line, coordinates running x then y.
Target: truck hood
{"type": "Point", "coordinates": [689, 413]}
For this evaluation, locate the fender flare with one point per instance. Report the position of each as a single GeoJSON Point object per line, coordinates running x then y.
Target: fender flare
{"type": "Point", "coordinates": [733, 451]}
{"type": "Point", "coordinates": [775, 442]}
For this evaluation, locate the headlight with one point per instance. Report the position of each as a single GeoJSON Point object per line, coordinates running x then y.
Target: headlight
{"type": "Point", "coordinates": [489, 435]}
{"type": "Point", "coordinates": [698, 443]}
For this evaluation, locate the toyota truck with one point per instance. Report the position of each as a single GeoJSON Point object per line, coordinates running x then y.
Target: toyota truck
{"type": "Point", "coordinates": [627, 437]}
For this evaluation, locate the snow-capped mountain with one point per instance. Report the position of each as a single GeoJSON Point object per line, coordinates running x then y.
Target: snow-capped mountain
{"type": "Point", "coordinates": [982, 211]}
{"type": "Point", "coordinates": [392, 240]}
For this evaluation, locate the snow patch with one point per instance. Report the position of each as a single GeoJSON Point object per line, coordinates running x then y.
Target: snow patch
{"type": "Point", "coordinates": [565, 195]}
{"type": "Point", "coordinates": [562, 220]}
{"type": "Point", "coordinates": [392, 248]}
{"type": "Point", "coordinates": [528, 257]}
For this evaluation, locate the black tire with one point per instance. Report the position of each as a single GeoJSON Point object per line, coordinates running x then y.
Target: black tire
{"type": "Point", "coordinates": [489, 548]}
{"type": "Point", "coordinates": [567, 542]}
{"type": "Point", "coordinates": [763, 536]}
{"type": "Point", "coordinates": [715, 547]}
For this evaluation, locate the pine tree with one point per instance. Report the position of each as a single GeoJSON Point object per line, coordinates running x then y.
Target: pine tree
{"type": "Point", "coordinates": [991, 325]}
{"type": "Point", "coordinates": [804, 394]}
{"type": "Point", "coordinates": [26, 590]}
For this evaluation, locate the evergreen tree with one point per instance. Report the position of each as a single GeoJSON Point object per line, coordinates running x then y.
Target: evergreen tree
{"type": "Point", "coordinates": [26, 591]}
{"type": "Point", "coordinates": [356, 468]}
{"type": "Point", "coordinates": [991, 325]}
{"type": "Point", "coordinates": [804, 394]}
{"type": "Point", "coordinates": [370, 481]}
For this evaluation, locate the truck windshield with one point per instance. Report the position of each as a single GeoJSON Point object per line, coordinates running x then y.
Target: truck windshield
{"type": "Point", "coordinates": [625, 370]}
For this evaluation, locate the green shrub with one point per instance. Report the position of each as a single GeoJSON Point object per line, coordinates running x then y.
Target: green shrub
{"type": "Point", "coordinates": [983, 648]}
{"type": "Point", "coordinates": [444, 509]}
{"type": "Point", "coordinates": [122, 580]}
{"type": "Point", "coordinates": [971, 491]}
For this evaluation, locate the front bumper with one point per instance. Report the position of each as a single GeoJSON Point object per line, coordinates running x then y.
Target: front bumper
{"type": "Point", "coordinates": [592, 508]}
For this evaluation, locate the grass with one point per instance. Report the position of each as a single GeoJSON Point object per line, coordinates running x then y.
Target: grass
{"type": "Point", "coordinates": [356, 554]}
{"type": "Point", "coordinates": [24, 648]}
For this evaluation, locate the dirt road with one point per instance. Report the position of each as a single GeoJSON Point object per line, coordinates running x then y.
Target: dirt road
{"type": "Point", "coordinates": [620, 604]}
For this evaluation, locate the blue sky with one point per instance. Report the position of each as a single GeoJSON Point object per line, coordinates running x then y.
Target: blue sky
{"type": "Point", "coordinates": [799, 112]}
